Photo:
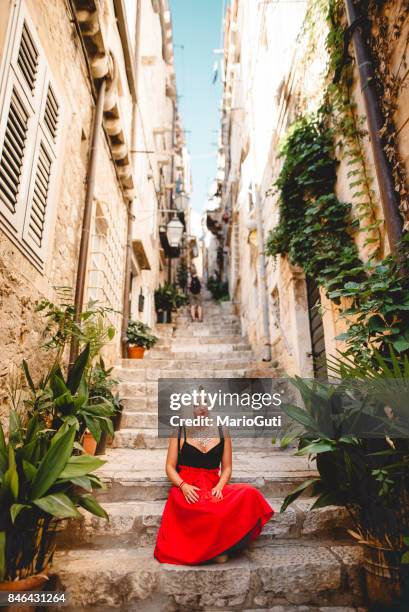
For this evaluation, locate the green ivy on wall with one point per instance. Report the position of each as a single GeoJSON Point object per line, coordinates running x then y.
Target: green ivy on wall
{"type": "Point", "coordinates": [316, 230]}
{"type": "Point", "coordinates": [315, 227]}
{"type": "Point", "coordinates": [350, 127]}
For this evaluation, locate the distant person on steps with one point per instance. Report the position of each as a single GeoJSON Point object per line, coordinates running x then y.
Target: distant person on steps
{"type": "Point", "coordinates": [195, 296]}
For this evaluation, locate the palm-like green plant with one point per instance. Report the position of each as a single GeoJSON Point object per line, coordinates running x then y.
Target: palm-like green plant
{"type": "Point", "coordinates": [368, 474]}
{"type": "Point", "coordinates": [42, 480]}
{"type": "Point", "coordinates": [60, 399]}
{"type": "Point", "coordinates": [324, 431]}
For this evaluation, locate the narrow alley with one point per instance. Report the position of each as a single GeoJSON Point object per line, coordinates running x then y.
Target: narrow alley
{"type": "Point", "coordinates": [201, 197]}
{"type": "Point", "coordinates": [301, 556]}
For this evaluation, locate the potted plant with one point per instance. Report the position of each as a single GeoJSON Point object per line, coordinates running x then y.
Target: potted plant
{"type": "Point", "coordinates": [218, 288]}
{"type": "Point", "coordinates": [89, 444]}
{"type": "Point", "coordinates": [60, 399]}
{"type": "Point", "coordinates": [43, 479]}
{"type": "Point", "coordinates": [101, 388]}
{"type": "Point", "coordinates": [167, 300]}
{"type": "Point", "coordinates": [139, 337]}
{"type": "Point", "coordinates": [182, 276]}
{"type": "Point", "coordinates": [163, 304]}
{"type": "Point", "coordinates": [368, 476]}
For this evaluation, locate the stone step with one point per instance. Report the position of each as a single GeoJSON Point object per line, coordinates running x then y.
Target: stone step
{"type": "Point", "coordinates": [211, 307]}
{"type": "Point", "coordinates": [139, 420]}
{"type": "Point", "coordinates": [136, 523]}
{"type": "Point", "coordinates": [139, 474]}
{"type": "Point", "coordinates": [282, 573]}
{"type": "Point", "coordinates": [148, 438]}
{"type": "Point", "coordinates": [208, 320]}
{"type": "Point", "coordinates": [202, 332]}
{"type": "Point", "coordinates": [140, 404]}
{"type": "Point", "coordinates": [142, 416]}
{"type": "Point", "coordinates": [123, 373]}
{"type": "Point", "coordinates": [200, 348]}
{"type": "Point", "coordinates": [215, 339]}
{"type": "Point", "coordinates": [135, 375]}
{"type": "Point", "coordinates": [162, 355]}
{"type": "Point", "coordinates": [138, 390]}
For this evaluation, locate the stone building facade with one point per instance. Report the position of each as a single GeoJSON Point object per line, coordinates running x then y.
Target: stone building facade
{"type": "Point", "coordinates": [53, 57]}
{"type": "Point", "coordinates": [275, 67]}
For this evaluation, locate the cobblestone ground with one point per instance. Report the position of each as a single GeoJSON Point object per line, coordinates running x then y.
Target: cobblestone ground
{"type": "Point", "coordinates": [302, 561]}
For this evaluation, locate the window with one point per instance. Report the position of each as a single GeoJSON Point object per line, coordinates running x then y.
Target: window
{"type": "Point", "coordinates": [105, 275]}
{"type": "Point", "coordinates": [29, 131]}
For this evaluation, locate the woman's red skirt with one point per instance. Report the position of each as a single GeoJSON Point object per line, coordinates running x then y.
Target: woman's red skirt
{"type": "Point", "coordinates": [191, 534]}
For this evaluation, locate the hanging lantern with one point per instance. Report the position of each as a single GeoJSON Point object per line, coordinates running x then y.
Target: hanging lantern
{"type": "Point", "coordinates": [181, 201]}
{"type": "Point", "coordinates": [174, 231]}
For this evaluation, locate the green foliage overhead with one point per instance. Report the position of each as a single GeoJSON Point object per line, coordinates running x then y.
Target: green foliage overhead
{"type": "Point", "coordinates": [315, 227]}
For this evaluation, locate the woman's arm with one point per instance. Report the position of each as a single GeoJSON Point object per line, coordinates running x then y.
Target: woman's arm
{"type": "Point", "coordinates": [171, 462]}
{"type": "Point", "coordinates": [226, 470]}
{"type": "Point", "coordinates": [189, 491]}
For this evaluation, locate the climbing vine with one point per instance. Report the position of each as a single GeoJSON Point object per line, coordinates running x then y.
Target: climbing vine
{"type": "Point", "coordinates": [316, 232]}
{"type": "Point", "coordinates": [349, 126]}
{"type": "Point", "coordinates": [315, 227]}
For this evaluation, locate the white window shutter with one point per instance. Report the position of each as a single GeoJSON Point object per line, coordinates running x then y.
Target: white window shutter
{"type": "Point", "coordinates": [39, 202]}
{"type": "Point", "coordinates": [27, 60]}
{"type": "Point", "coordinates": [36, 224]}
{"type": "Point", "coordinates": [29, 133]}
{"type": "Point", "coordinates": [51, 114]}
{"type": "Point", "coordinates": [16, 131]}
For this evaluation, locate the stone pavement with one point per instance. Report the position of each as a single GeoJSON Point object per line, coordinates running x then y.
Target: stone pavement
{"type": "Point", "coordinates": [302, 561]}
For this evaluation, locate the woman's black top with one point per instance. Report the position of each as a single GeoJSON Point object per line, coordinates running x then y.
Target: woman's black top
{"type": "Point", "coordinates": [191, 456]}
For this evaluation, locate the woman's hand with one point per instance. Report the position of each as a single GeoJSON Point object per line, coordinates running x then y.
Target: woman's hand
{"type": "Point", "coordinates": [189, 491]}
{"type": "Point", "coordinates": [217, 491]}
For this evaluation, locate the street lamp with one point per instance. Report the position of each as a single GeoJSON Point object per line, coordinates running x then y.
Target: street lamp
{"type": "Point", "coordinates": [181, 201]}
{"type": "Point", "coordinates": [174, 231]}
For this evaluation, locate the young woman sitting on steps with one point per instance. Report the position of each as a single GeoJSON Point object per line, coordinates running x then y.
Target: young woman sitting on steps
{"type": "Point", "coordinates": [205, 518]}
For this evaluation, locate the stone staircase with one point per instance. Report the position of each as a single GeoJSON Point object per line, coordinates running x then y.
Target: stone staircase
{"type": "Point", "coordinates": [302, 561]}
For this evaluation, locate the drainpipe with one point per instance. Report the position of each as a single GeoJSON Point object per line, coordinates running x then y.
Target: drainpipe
{"type": "Point", "coordinates": [172, 177]}
{"type": "Point", "coordinates": [389, 198]}
{"type": "Point", "coordinates": [128, 255]}
{"type": "Point", "coordinates": [262, 278]}
{"type": "Point", "coordinates": [86, 222]}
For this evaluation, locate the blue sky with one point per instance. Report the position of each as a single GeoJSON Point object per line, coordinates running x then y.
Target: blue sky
{"type": "Point", "coordinates": [197, 27]}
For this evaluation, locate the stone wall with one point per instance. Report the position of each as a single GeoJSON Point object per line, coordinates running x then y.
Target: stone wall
{"type": "Point", "coordinates": [21, 285]}
{"type": "Point", "coordinates": [279, 89]}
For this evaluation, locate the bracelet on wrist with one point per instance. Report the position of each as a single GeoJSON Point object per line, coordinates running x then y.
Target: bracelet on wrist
{"type": "Point", "coordinates": [181, 484]}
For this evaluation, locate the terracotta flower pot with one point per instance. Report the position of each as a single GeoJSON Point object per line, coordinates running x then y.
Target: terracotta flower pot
{"type": "Point", "coordinates": [89, 443]}
{"type": "Point", "coordinates": [135, 352]}
{"type": "Point", "coordinates": [31, 583]}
